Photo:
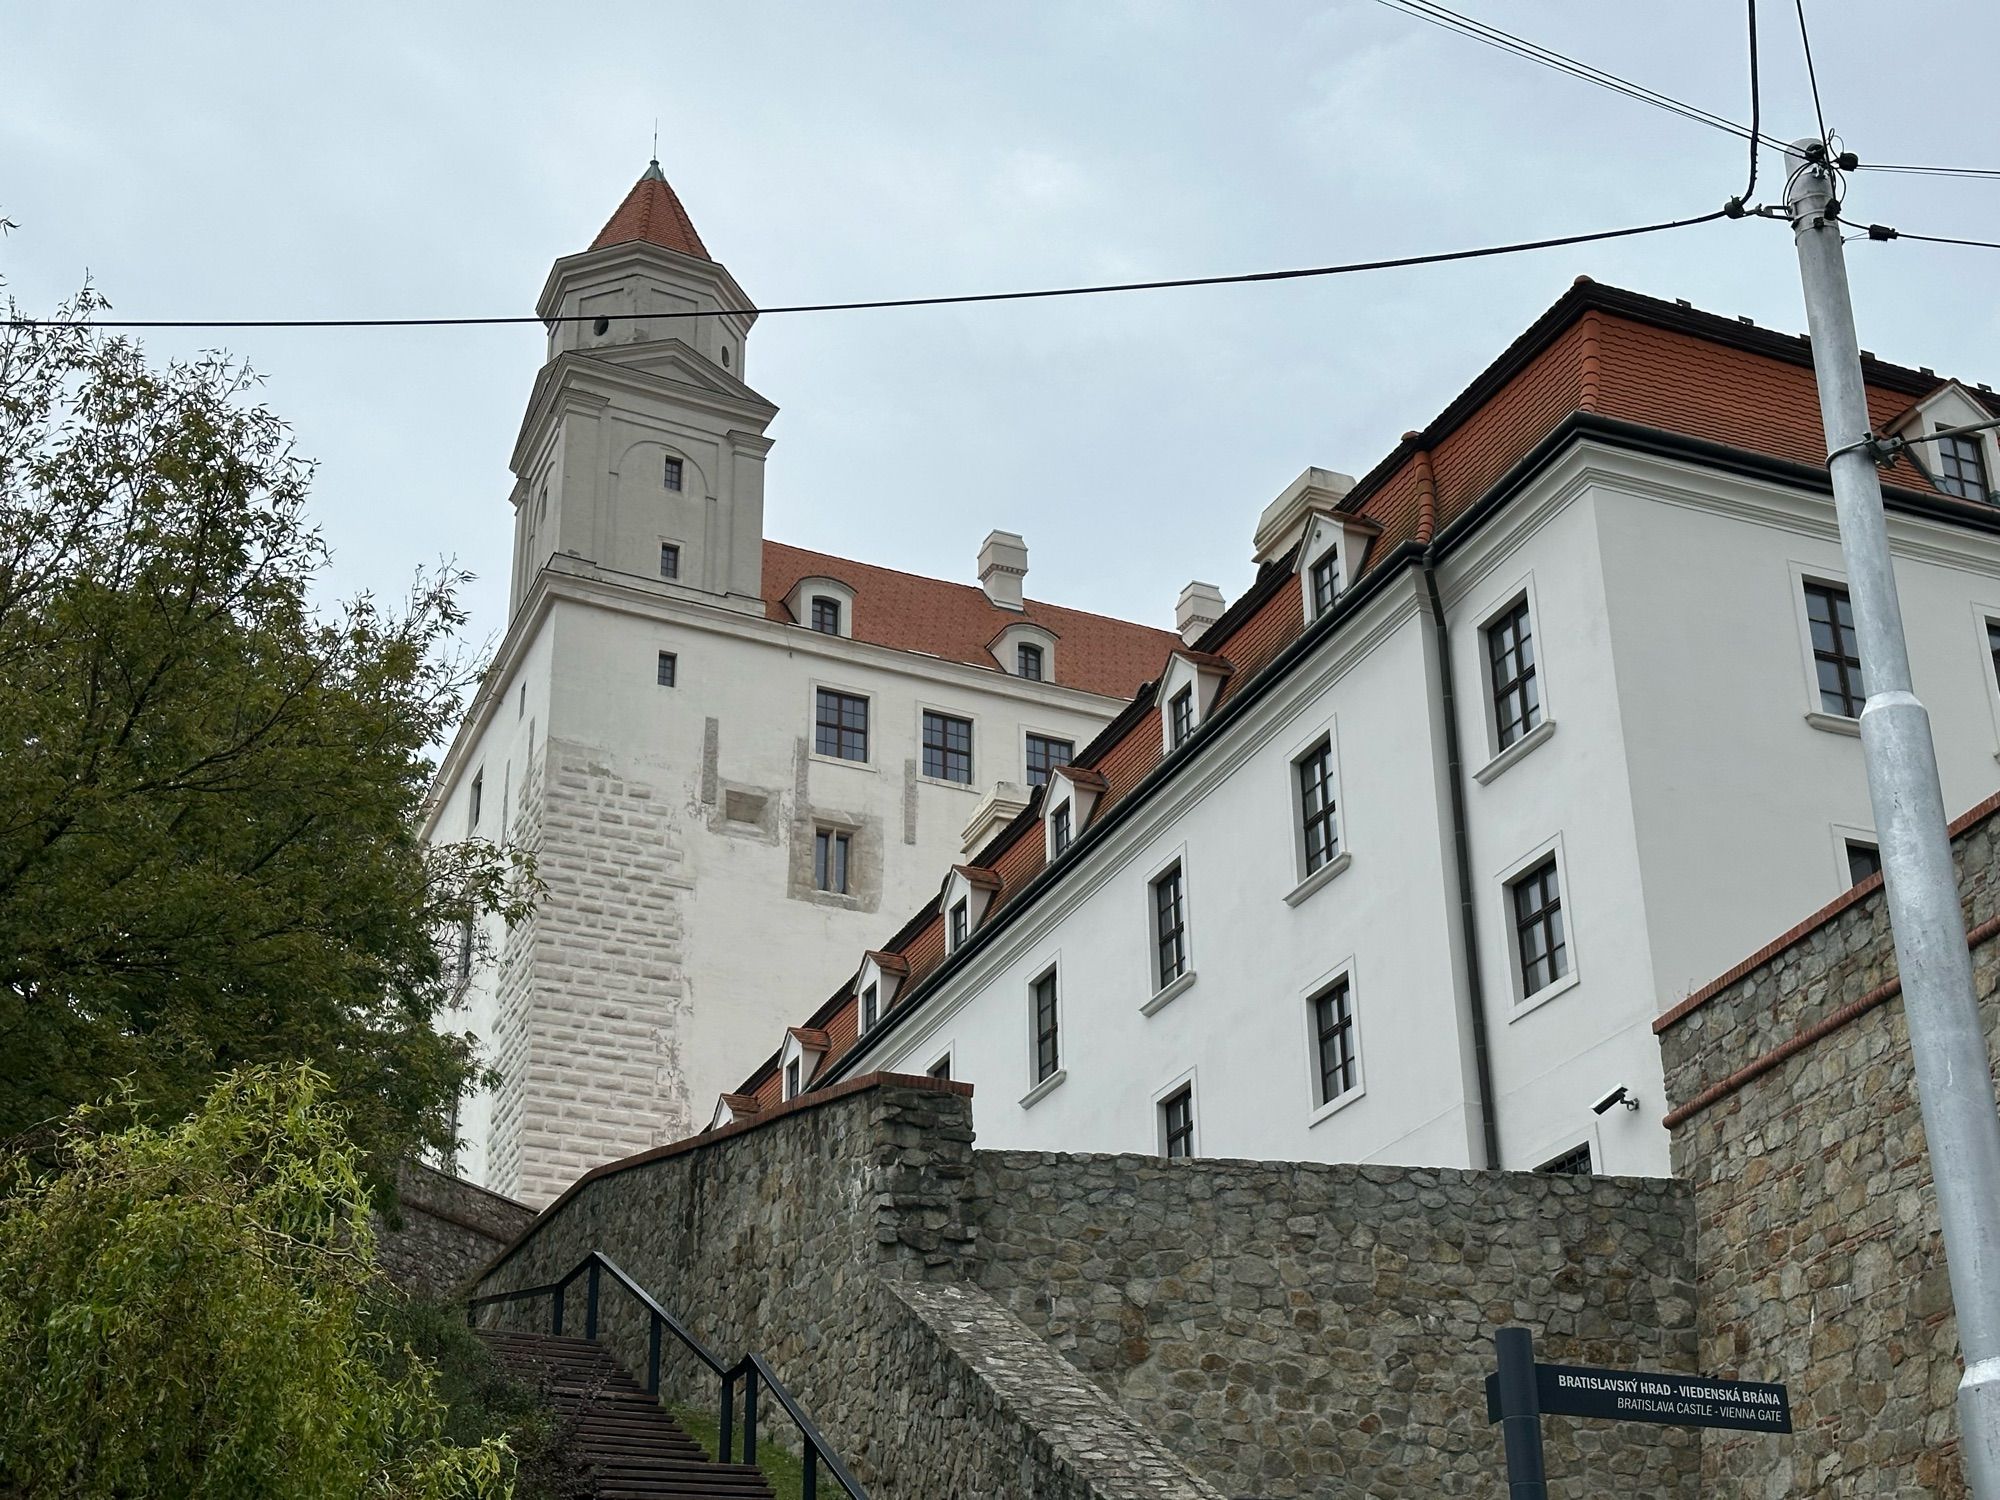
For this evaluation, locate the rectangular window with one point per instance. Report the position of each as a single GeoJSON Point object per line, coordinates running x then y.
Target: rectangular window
{"type": "Point", "coordinates": [1333, 1026]}
{"type": "Point", "coordinates": [521, 703]}
{"type": "Point", "coordinates": [1319, 817]}
{"type": "Point", "coordinates": [1169, 928]}
{"type": "Point", "coordinates": [1180, 714]}
{"type": "Point", "coordinates": [961, 922]}
{"type": "Point", "coordinates": [671, 474]}
{"type": "Point", "coordinates": [1836, 650]}
{"type": "Point", "coordinates": [1863, 860]}
{"type": "Point", "coordinates": [1048, 1054]}
{"type": "Point", "coordinates": [1993, 646]}
{"type": "Point", "coordinates": [670, 560]}
{"type": "Point", "coordinates": [1517, 697]}
{"type": "Point", "coordinates": [1538, 928]}
{"type": "Point", "coordinates": [1961, 467]}
{"type": "Point", "coordinates": [1177, 1123]}
{"type": "Point", "coordinates": [830, 850]}
{"type": "Point", "coordinates": [475, 801]}
{"type": "Point", "coordinates": [826, 615]}
{"type": "Point", "coordinates": [792, 1079]}
{"type": "Point", "coordinates": [1045, 752]}
{"type": "Point", "coordinates": [947, 747]}
{"type": "Point", "coordinates": [941, 1069]}
{"type": "Point", "coordinates": [1325, 582]}
{"type": "Point", "coordinates": [1028, 662]}
{"type": "Point", "coordinates": [669, 663]}
{"type": "Point", "coordinates": [1572, 1163]}
{"type": "Point", "coordinates": [871, 1004]}
{"type": "Point", "coordinates": [840, 725]}
{"type": "Point", "coordinates": [1059, 830]}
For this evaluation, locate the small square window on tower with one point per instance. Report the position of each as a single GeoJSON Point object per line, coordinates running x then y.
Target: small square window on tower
{"type": "Point", "coordinates": [669, 663]}
{"type": "Point", "coordinates": [672, 474]}
{"type": "Point", "coordinates": [670, 560]}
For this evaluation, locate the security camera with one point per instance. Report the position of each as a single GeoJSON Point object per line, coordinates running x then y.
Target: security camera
{"type": "Point", "coordinates": [1618, 1096]}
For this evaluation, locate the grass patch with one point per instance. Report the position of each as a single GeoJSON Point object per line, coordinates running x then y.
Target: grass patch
{"type": "Point", "coordinates": [786, 1473]}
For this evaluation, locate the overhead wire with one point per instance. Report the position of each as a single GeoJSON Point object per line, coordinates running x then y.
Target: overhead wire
{"type": "Point", "coordinates": [1805, 39]}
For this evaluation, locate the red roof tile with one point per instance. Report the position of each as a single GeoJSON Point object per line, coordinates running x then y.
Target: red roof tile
{"type": "Point", "coordinates": [651, 212]}
{"type": "Point", "coordinates": [956, 621]}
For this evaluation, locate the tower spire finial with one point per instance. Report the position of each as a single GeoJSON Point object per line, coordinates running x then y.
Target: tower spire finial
{"type": "Point", "coordinates": [653, 172]}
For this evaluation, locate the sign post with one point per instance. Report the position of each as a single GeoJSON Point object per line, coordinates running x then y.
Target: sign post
{"type": "Point", "coordinates": [1520, 1391]}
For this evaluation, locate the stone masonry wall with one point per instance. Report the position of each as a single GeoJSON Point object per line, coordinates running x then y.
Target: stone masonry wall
{"type": "Point", "coordinates": [1796, 1123]}
{"type": "Point", "coordinates": [1296, 1329]}
{"type": "Point", "coordinates": [592, 1049]}
{"type": "Point", "coordinates": [449, 1230]}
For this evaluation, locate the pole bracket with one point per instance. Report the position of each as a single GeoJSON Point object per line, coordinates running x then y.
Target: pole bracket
{"type": "Point", "coordinates": [1883, 451]}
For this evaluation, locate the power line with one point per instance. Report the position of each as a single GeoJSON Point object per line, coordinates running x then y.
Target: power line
{"type": "Point", "coordinates": [1805, 37]}
{"type": "Point", "coordinates": [1884, 166]}
{"type": "Point", "coordinates": [960, 299]}
{"type": "Point", "coordinates": [1756, 106]}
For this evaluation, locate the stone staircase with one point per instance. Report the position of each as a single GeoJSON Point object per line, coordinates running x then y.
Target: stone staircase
{"type": "Point", "coordinates": [635, 1450]}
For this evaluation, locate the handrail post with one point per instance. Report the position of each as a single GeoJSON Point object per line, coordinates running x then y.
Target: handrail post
{"type": "Point", "coordinates": [726, 1444]}
{"type": "Point", "coordinates": [811, 1489]}
{"type": "Point", "coordinates": [653, 1355]}
{"type": "Point", "coordinates": [750, 1415]}
{"type": "Point", "coordinates": [556, 1311]}
{"type": "Point", "coordinates": [590, 1303]}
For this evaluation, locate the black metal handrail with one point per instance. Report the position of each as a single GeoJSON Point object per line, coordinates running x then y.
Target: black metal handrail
{"type": "Point", "coordinates": [750, 1370]}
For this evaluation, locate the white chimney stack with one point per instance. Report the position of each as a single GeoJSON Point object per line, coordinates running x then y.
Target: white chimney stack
{"type": "Point", "coordinates": [1285, 519]}
{"type": "Point", "coordinates": [1199, 606]}
{"type": "Point", "coordinates": [1003, 563]}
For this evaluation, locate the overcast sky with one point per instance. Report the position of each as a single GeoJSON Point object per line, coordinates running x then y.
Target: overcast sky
{"type": "Point", "coordinates": [400, 160]}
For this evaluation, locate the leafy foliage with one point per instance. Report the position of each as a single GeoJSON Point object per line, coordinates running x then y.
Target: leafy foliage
{"type": "Point", "coordinates": [209, 788]}
{"type": "Point", "coordinates": [182, 1315]}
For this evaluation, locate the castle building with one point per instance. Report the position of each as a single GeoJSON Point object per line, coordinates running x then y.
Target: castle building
{"type": "Point", "coordinates": [1514, 742]}
{"type": "Point", "coordinates": [734, 760]}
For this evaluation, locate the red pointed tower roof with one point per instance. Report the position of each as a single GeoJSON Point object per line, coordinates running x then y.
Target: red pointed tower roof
{"type": "Point", "coordinates": [652, 213]}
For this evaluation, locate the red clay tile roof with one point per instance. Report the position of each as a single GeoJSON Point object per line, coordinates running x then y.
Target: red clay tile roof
{"type": "Point", "coordinates": [956, 621]}
{"type": "Point", "coordinates": [810, 1037]}
{"type": "Point", "coordinates": [1207, 660]}
{"type": "Point", "coordinates": [651, 212]}
{"type": "Point", "coordinates": [888, 963]}
{"type": "Point", "coordinates": [1599, 351]}
{"type": "Point", "coordinates": [1083, 776]}
{"type": "Point", "coordinates": [983, 879]}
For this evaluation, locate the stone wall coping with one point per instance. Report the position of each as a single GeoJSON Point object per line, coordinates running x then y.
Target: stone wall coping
{"type": "Point", "coordinates": [423, 1170]}
{"type": "Point", "coordinates": [812, 1099]}
{"type": "Point", "coordinates": [1792, 936]}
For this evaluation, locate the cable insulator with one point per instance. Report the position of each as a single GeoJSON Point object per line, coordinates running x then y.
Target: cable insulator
{"type": "Point", "coordinates": [1881, 232]}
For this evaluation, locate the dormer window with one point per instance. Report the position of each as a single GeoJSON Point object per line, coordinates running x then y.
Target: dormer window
{"type": "Point", "coordinates": [825, 615]}
{"type": "Point", "coordinates": [871, 1008]}
{"type": "Point", "coordinates": [1028, 662]}
{"type": "Point", "coordinates": [1187, 694]}
{"type": "Point", "coordinates": [961, 923]}
{"type": "Point", "coordinates": [1180, 716]}
{"type": "Point", "coordinates": [800, 1056]}
{"type": "Point", "coordinates": [1061, 832]}
{"type": "Point", "coordinates": [1026, 650]}
{"type": "Point", "coordinates": [1961, 467]}
{"type": "Point", "coordinates": [792, 1079]}
{"type": "Point", "coordinates": [1325, 580]}
{"type": "Point", "coordinates": [968, 891]}
{"type": "Point", "coordinates": [672, 474]}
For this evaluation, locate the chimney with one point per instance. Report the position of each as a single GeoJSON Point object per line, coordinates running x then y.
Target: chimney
{"type": "Point", "coordinates": [1003, 563]}
{"type": "Point", "coordinates": [1199, 606]}
{"type": "Point", "coordinates": [1284, 519]}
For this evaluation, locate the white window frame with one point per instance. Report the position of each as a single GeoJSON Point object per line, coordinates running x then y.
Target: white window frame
{"type": "Point", "coordinates": [1024, 633]}
{"type": "Point", "coordinates": [1161, 1095]}
{"type": "Point", "coordinates": [1160, 996]}
{"type": "Point", "coordinates": [1843, 835]}
{"type": "Point", "coordinates": [949, 1057]}
{"type": "Point", "coordinates": [917, 731]}
{"type": "Point", "coordinates": [872, 763]}
{"type": "Point", "coordinates": [1525, 1004]}
{"type": "Point", "coordinates": [1800, 575]}
{"type": "Point", "coordinates": [1981, 615]}
{"type": "Point", "coordinates": [1040, 1090]}
{"type": "Point", "coordinates": [1308, 994]}
{"type": "Point", "coordinates": [1304, 884]}
{"type": "Point", "coordinates": [1499, 760]}
{"type": "Point", "coordinates": [799, 602]}
{"type": "Point", "coordinates": [1323, 534]}
{"type": "Point", "coordinates": [1028, 730]}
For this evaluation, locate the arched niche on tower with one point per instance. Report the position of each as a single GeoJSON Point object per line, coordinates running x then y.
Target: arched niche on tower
{"type": "Point", "coordinates": [664, 494]}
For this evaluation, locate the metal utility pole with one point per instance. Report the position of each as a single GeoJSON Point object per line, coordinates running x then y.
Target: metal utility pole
{"type": "Point", "coordinates": [1947, 1041]}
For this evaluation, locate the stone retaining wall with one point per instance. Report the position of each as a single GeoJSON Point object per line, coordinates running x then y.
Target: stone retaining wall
{"type": "Point", "coordinates": [1796, 1124]}
{"type": "Point", "coordinates": [1296, 1329]}
{"type": "Point", "coordinates": [449, 1230]}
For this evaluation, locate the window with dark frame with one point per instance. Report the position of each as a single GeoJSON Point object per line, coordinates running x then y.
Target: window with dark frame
{"type": "Point", "coordinates": [1045, 752]}
{"type": "Point", "coordinates": [1572, 1163]}
{"type": "Point", "coordinates": [1333, 1026]}
{"type": "Point", "coordinates": [1177, 1123]}
{"type": "Point", "coordinates": [670, 560]}
{"type": "Point", "coordinates": [1961, 467]}
{"type": "Point", "coordinates": [1510, 654]}
{"type": "Point", "coordinates": [1048, 1053]}
{"type": "Point", "coordinates": [475, 802]}
{"type": "Point", "coordinates": [1993, 646]}
{"type": "Point", "coordinates": [668, 668]}
{"type": "Point", "coordinates": [1836, 650]}
{"type": "Point", "coordinates": [1538, 928]}
{"type": "Point", "coordinates": [671, 474]}
{"type": "Point", "coordinates": [840, 725]}
{"type": "Point", "coordinates": [1169, 928]}
{"type": "Point", "coordinates": [792, 1079]}
{"type": "Point", "coordinates": [825, 615]}
{"type": "Point", "coordinates": [1863, 860]}
{"type": "Point", "coordinates": [1028, 662]}
{"type": "Point", "coordinates": [831, 847]}
{"type": "Point", "coordinates": [1325, 576]}
{"type": "Point", "coordinates": [947, 747]}
{"type": "Point", "coordinates": [1059, 830]}
{"type": "Point", "coordinates": [1180, 715]}
{"type": "Point", "coordinates": [940, 1070]}
{"type": "Point", "coordinates": [871, 1004]}
{"type": "Point", "coordinates": [961, 921]}
{"type": "Point", "coordinates": [1318, 816]}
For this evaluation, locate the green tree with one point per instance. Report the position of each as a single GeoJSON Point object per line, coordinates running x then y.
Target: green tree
{"type": "Point", "coordinates": [209, 787]}
{"type": "Point", "coordinates": [182, 1314]}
